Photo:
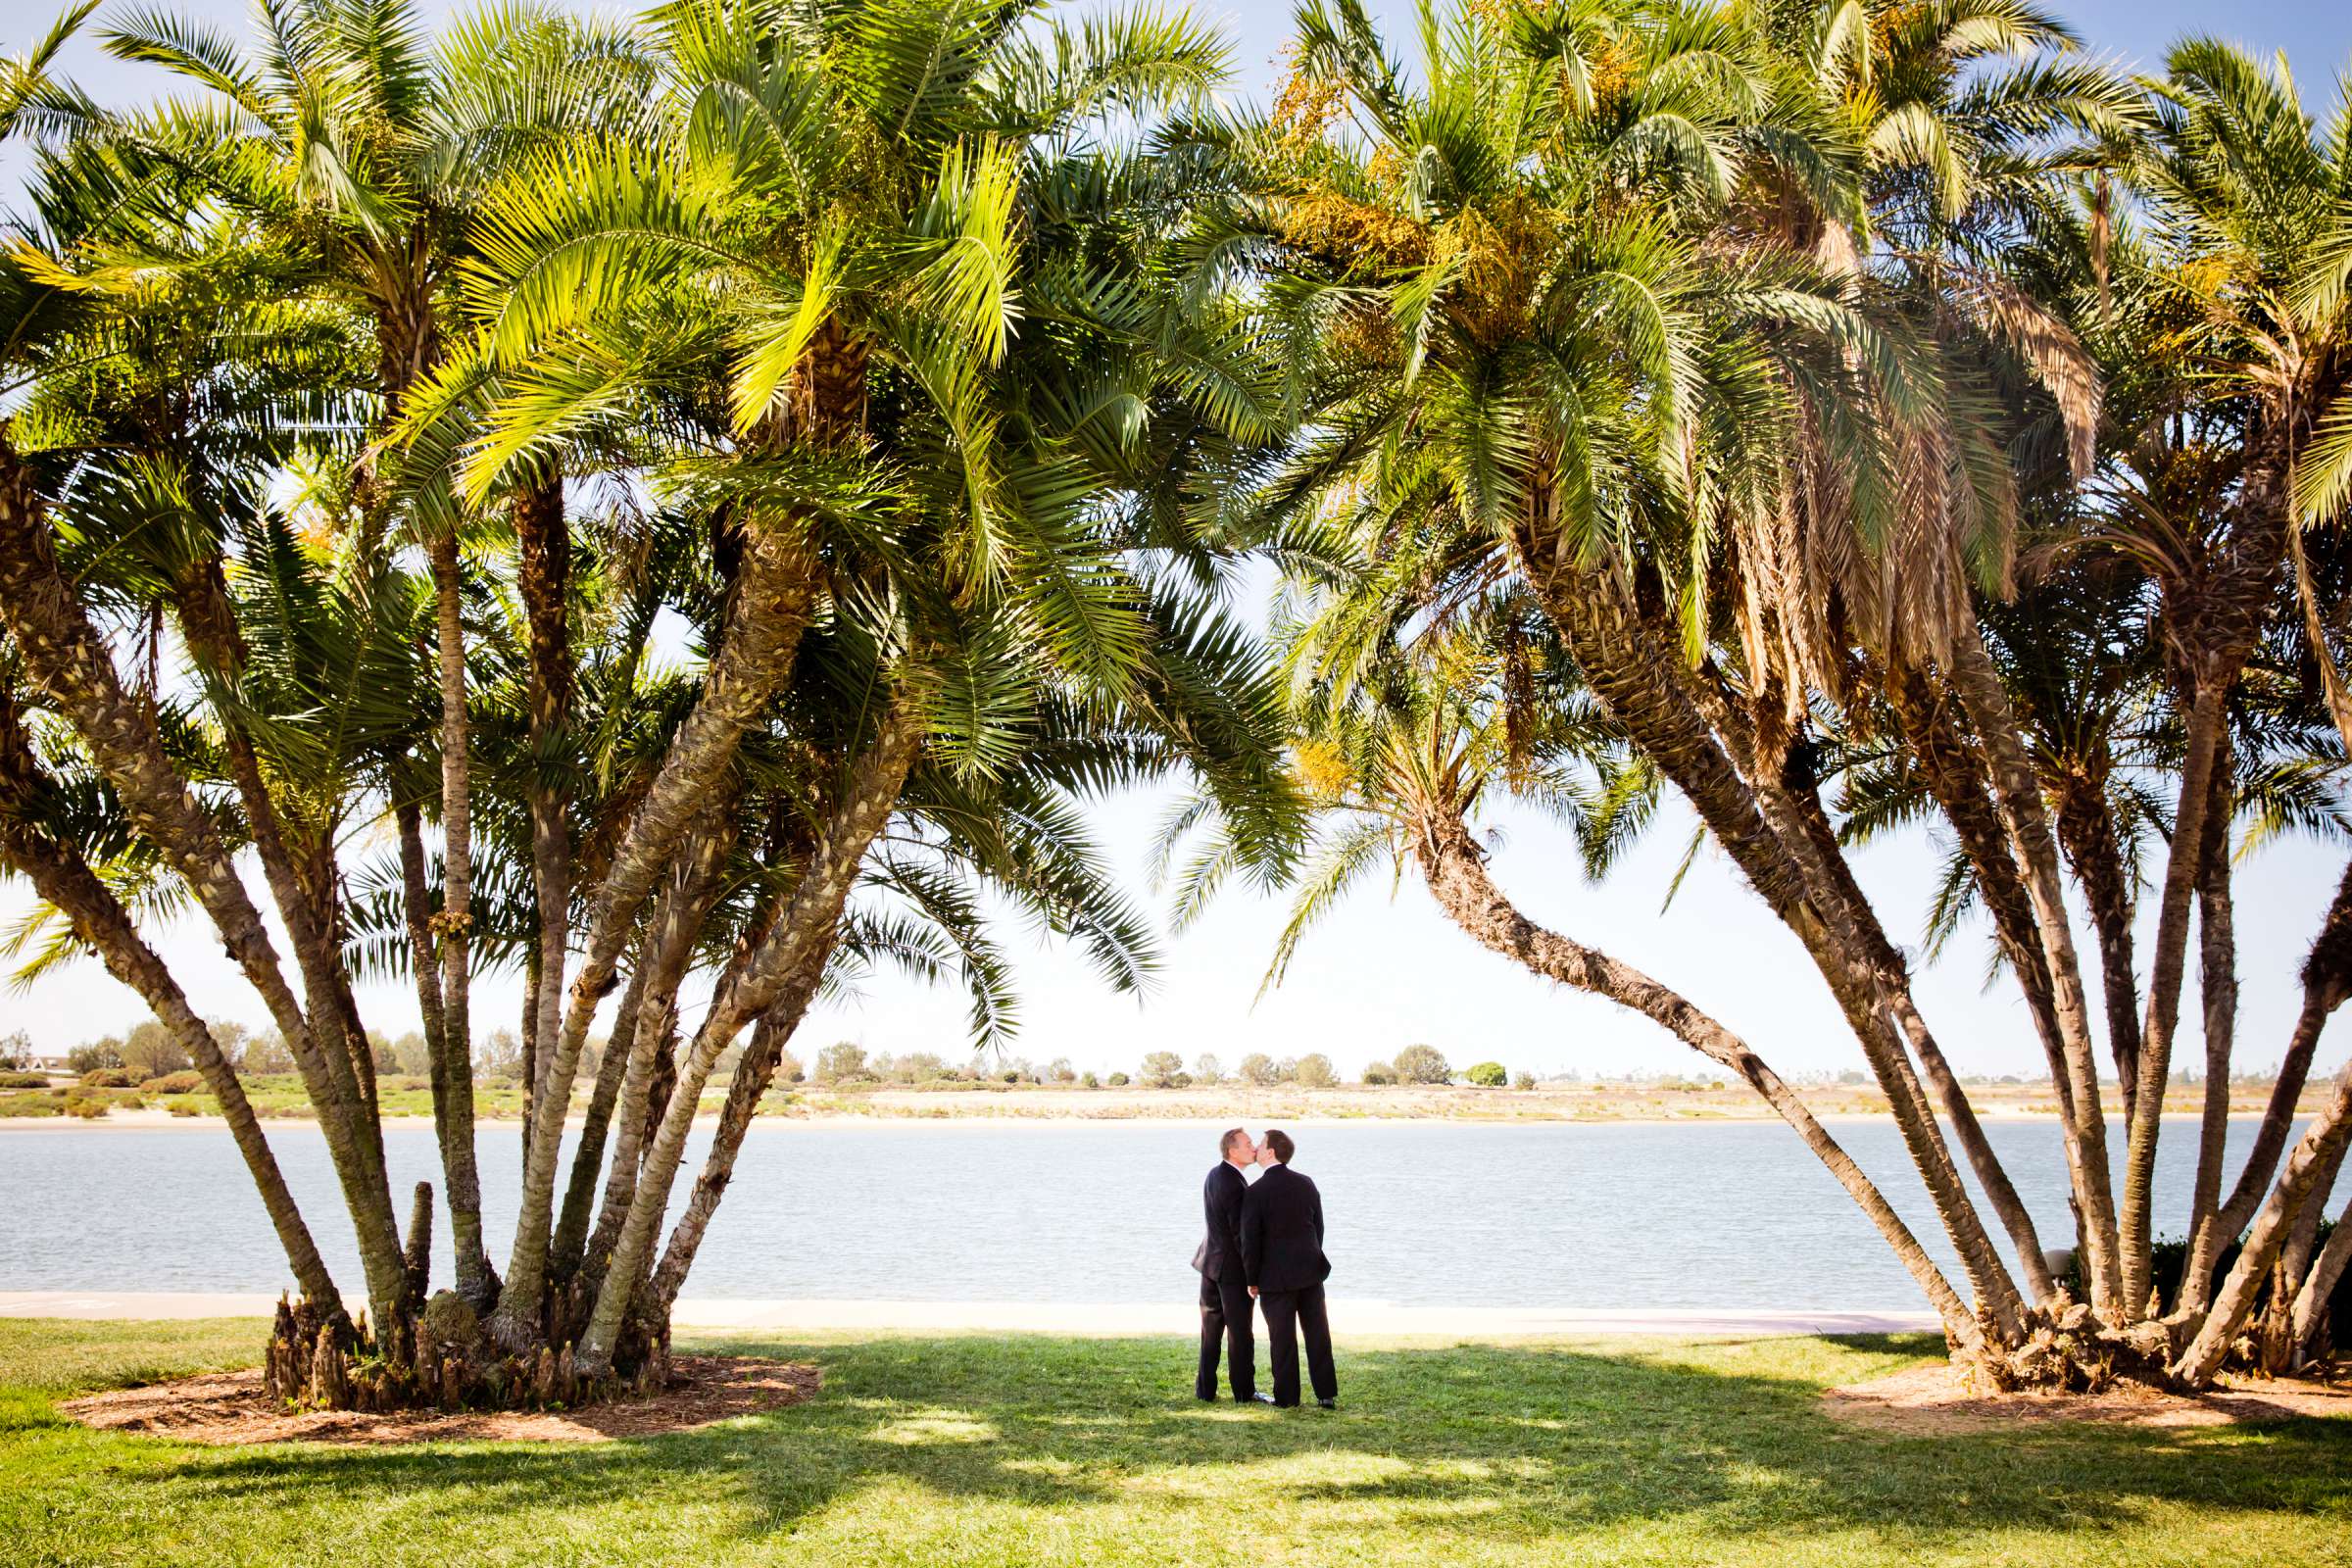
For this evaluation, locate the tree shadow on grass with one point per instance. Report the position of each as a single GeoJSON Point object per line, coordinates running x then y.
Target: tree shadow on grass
{"type": "Point", "coordinates": [1530, 1442]}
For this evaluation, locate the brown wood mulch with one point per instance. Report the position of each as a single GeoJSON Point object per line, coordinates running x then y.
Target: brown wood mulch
{"type": "Point", "coordinates": [231, 1407]}
{"type": "Point", "coordinates": [1935, 1401]}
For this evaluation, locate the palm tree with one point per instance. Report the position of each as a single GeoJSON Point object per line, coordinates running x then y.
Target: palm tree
{"type": "Point", "coordinates": [1737, 394]}
{"type": "Point", "coordinates": [948, 547]}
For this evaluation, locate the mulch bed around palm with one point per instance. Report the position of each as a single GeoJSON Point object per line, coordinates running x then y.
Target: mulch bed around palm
{"type": "Point", "coordinates": [1933, 1401]}
{"type": "Point", "coordinates": [231, 1407]}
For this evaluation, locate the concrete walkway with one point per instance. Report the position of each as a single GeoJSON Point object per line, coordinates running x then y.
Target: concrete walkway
{"type": "Point", "coordinates": [1065, 1319]}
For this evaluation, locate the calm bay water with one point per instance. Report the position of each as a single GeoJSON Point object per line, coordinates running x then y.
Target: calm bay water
{"type": "Point", "coordinates": [1705, 1215]}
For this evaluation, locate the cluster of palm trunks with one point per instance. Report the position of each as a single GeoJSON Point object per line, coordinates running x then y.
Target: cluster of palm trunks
{"type": "Point", "coordinates": [321, 1361]}
{"type": "Point", "coordinates": [438, 1355]}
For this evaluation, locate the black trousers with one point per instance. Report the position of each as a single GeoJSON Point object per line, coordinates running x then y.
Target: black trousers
{"type": "Point", "coordinates": [1301, 1311]}
{"type": "Point", "coordinates": [1225, 1322]}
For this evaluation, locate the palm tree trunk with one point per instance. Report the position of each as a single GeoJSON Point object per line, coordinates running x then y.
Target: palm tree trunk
{"type": "Point", "coordinates": [454, 925]}
{"type": "Point", "coordinates": [596, 1125]}
{"type": "Point", "coordinates": [531, 972]}
{"type": "Point", "coordinates": [64, 655]}
{"type": "Point", "coordinates": [543, 577]}
{"type": "Point", "coordinates": [1895, 982]}
{"type": "Point", "coordinates": [2315, 1156]}
{"type": "Point", "coordinates": [775, 594]}
{"type": "Point", "coordinates": [417, 910]}
{"type": "Point", "coordinates": [2017, 792]}
{"type": "Point", "coordinates": [752, 1075]}
{"type": "Point", "coordinates": [2311, 1301]}
{"type": "Point", "coordinates": [63, 878]}
{"type": "Point", "coordinates": [2086, 832]}
{"type": "Point", "coordinates": [2166, 971]}
{"type": "Point", "coordinates": [2217, 968]}
{"type": "Point", "coordinates": [1635, 675]}
{"type": "Point", "coordinates": [2326, 983]}
{"type": "Point", "coordinates": [1954, 779]}
{"type": "Point", "coordinates": [665, 956]}
{"type": "Point", "coordinates": [810, 917]}
{"type": "Point", "coordinates": [208, 620]}
{"type": "Point", "coordinates": [1457, 878]}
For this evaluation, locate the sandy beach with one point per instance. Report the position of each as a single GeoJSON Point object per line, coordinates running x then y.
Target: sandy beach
{"type": "Point", "coordinates": [1468, 1324]}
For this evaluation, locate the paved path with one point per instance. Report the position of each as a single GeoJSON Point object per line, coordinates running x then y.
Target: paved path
{"type": "Point", "coordinates": [1176, 1317]}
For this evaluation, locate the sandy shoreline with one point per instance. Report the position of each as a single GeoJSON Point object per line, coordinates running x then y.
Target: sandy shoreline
{"type": "Point", "coordinates": [1108, 1319]}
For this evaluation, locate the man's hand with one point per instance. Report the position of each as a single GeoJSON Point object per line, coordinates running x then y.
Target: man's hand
{"type": "Point", "coordinates": [1253, 1293]}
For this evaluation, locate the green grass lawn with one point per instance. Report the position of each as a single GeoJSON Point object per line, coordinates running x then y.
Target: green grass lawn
{"type": "Point", "coordinates": [970, 1449]}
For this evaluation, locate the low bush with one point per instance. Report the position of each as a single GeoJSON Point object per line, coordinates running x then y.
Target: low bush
{"type": "Point", "coordinates": [1526, 1080]}
{"type": "Point", "coordinates": [23, 1080]}
{"type": "Point", "coordinates": [1315, 1071]}
{"type": "Point", "coordinates": [2168, 1260]}
{"type": "Point", "coordinates": [33, 1105]}
{"type": "Point", "coordinates": [110, 1078]}
{"type": "Point", "coordinates": [1422, 1064]}
{"type": "Point", "coordinates": [1488, 1074]}
{"type": "Point", "coordinates": [1118, 1080]}
{"type": "Point", "coordinates": [1090, 1081]}
{"type": "Point", "coordinates": [184, 1082]}
{"type": "Point", "coordinates": [185, 1107]}
{"type": "Point", "coordinates": [1379, 1073]}
{"type": "Point", "coordinates": [88, 1109]}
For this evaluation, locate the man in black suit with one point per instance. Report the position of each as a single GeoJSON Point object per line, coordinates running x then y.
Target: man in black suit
{"type": "Point", "coordinates": [1224, 1290]}
{"type": "Point", "coordinates": [1282, 1253]}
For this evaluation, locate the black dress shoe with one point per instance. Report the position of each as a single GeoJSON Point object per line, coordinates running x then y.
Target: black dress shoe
{"type": "Point", "coordinates": [1328, 1404]}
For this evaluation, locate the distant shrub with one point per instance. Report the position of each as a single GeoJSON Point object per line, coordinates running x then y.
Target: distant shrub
{"type": "Point", "coordinates": [1488, 1074]}
{"type": "Point", "coordinates": [1315, 1071]}
{"type": "Point", "coordinates": [16, 1051]}
{"type": "Point", "coordinates": [1060, 1071]}
{"type": "Point", "coordinates": [184, 1108]}
{"type": "Point", "coordinates": [1089, 1081]}
{"type": "Point", "coordinates": [186, 1082]}
{"type": "Point", "coordinates": [152, 1050]}
{"type": "Point", "coordinates": [1180, 1080]}
{"type": "Point", "coordinates": [413, 1055]}
{"type": "Point", "coordinates": [23, 1080]}
{"type": "Point", "coordinates": [88, 1110]}
{"type": "Point", "coordinates": [1421, 1064]}
{"type": "Point", "coordinates": [97, 1053]}
{"type": "Point", "coordinates": [1379, 1073]}
{"type": "Point", "coordinates": [1259, 1068]}
{"type": "Point", "coordinates": [110, 1078]}
{"type": "Point", "coordinates": [1526, 1080]}
{"type": "Point", "coordinates": [1160, 1069]}
{"type": "Point", "coordinates": [1208, 1069]}
{"type": "Point", "coordinates": [841, 1062]}
{"type": "Point", "coordinates": [1118, 1080]}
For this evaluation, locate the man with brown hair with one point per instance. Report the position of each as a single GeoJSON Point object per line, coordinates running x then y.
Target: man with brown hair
{"type": "Point", "coordinates": [1282, 1255]}
{"type": "Point", "coordinates": [1224, 1292]}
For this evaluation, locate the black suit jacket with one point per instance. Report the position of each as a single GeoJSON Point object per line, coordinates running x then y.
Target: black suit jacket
{"type": "Point", "coordinates": [1221, 1208]}
{"type": "Point", "coordinates": [1282, 1233]}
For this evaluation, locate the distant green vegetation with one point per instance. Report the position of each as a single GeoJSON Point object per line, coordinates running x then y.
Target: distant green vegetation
{"type": "Point", "coordinates": [1032, 1449]}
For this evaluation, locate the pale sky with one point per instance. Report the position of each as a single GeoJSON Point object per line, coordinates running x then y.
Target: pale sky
{"type": "Point", "coordinates": [1382, 974]}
